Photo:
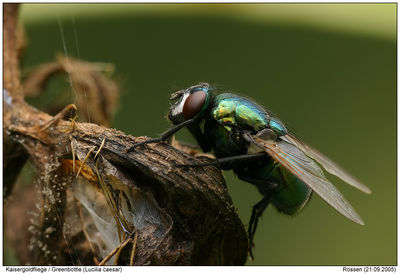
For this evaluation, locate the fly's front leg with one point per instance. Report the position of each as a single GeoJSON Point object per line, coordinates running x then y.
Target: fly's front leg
{"type": "Point", "coordinates": [163, 136]}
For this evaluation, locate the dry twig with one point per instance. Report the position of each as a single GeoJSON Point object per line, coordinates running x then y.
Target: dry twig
{"type": "Point", "coordinates": [181, 216]}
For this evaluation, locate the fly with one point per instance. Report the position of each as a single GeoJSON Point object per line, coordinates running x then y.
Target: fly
{"type": "Point", "coordinates": [259, 149]}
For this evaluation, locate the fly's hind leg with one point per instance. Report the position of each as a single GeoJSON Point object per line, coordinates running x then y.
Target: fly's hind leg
{"type": "Point", "coordinates": [269, 188]}
{"type": "Point", "coordinates": [229, 162]}
{"type": "Point", "coordinates": [256, 213]}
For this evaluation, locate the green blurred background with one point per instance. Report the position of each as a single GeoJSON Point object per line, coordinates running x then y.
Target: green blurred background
{"type": "Point", "coordinates": [328, 70]}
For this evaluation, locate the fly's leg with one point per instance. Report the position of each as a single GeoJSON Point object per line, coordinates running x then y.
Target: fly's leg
{"type": "Point", "coordinates": [256, 213]}
{"type": "Point", "coordinates": [258, 208]}
{"type": "Point", "coordinates": [229, 162]}
{"type": "Point", "coordinates": [270, 188]}
{"type": "Point", "coordinates": [163, 136]}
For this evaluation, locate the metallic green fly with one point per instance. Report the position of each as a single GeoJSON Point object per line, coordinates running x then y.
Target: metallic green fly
{"type": "Point", "coordinates": [259, 149]}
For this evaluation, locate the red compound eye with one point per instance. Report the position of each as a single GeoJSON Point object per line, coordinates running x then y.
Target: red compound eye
{"type": "Point", "coordinates": [193, 104]}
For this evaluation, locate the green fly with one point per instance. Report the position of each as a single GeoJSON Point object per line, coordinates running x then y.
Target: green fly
{"type": "Point", "coordinates": [259, 149]}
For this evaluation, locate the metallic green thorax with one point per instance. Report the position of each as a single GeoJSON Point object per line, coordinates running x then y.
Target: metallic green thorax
{"type": "Point", "coordinates": [233, 110]}
{"type": "Point", "coordinates": [230, 113]}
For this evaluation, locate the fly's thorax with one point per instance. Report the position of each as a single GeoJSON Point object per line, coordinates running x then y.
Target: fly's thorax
{"type": "Point", "coordinates": [192, 103]}
{"type": "Point", "coordinates": [230, 109]}
{"type": "Point", "coordinates": [236, 113]}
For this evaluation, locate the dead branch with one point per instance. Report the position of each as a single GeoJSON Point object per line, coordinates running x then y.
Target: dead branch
{"type": "Point", "coordinates": [93, 197]}
{"type": "Point", "coordinates": [95, 94]}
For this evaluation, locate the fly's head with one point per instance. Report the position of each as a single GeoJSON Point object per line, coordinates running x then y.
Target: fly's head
{"type": "Point", "coordinates": [191, 103]}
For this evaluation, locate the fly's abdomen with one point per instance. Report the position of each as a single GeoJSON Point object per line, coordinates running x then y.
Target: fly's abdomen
{"type": "Point", "coordinates": [289, 197]}
{"type": "Point", "coordinates": [292, 194]}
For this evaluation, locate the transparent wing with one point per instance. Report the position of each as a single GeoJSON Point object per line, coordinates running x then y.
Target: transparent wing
{"type": "Point", "coordinates": [327, 163]}
{"type": "Point", "coordinates": [297, 162]}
